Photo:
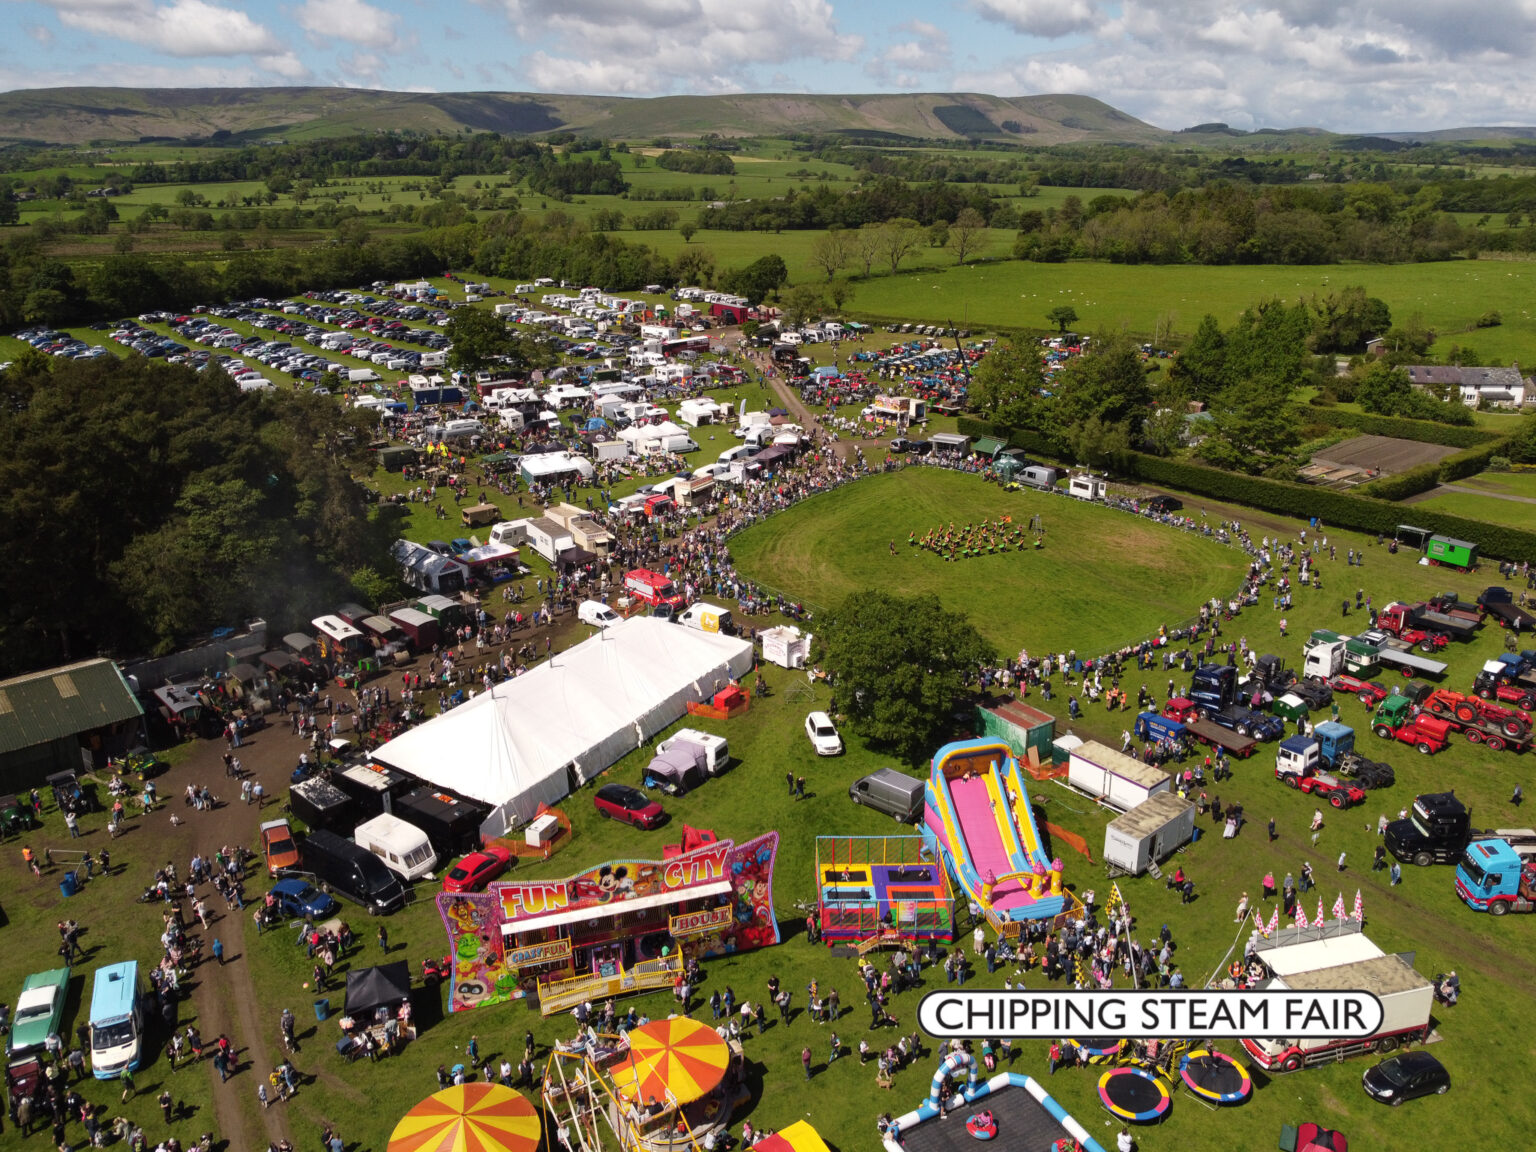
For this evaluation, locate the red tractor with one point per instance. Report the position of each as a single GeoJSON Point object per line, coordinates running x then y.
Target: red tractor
{"type": "Point", "coordinates": [1368, 691]}
{"type": "Point", "coordinates": [1470, 711]}
{"type": "Point", "coordinates": [1520, 696]}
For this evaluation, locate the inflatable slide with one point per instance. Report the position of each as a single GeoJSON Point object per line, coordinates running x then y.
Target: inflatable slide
{"type": "Point", "coordinates": [978, 821]}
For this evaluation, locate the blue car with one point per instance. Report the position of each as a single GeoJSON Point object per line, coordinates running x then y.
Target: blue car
{"type": "Point", "coordinates": [297, 898]}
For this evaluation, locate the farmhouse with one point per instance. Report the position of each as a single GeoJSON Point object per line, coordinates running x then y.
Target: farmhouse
{"type": "Point", "coordinates": [1494, 387]}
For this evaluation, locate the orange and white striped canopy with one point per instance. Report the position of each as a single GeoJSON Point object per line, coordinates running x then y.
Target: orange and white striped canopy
{"type": "Point", "coordinates": [680, 1058]}
{"type": "Point", "coordinates": [469, 1118]}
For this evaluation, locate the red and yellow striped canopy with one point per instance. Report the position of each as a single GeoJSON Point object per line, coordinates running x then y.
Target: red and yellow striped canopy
{"type": "Point", "coordinates": [679, 1058]}
{"type": "Point", "coordinates": [469, 1118]}
{"type": "Point", "coordinates": [798, 1137]}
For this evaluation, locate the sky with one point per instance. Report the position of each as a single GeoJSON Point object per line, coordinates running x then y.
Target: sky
{"type": "Point", "coordinates": [1344, 65]}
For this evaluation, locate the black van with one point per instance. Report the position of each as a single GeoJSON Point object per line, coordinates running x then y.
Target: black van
{"type": "Point", "coordinates": [343, 867]}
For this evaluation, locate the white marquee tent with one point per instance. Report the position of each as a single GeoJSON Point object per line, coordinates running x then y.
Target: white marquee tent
{"type": "Point", "coordinates": [534, 738]}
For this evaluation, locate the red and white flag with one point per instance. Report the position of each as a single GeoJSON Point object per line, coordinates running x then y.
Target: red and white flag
{"type": "Point", "coordinates": [1301, 917]}
{"type": "Point", "coordinates": [1338, 907]}
{"type": "Point", "coordinates": [1319, 920]}
{"type": "Point", "coordinates": [1359, 908]}
{"type": "Point", "coordinates": [1274, 922]}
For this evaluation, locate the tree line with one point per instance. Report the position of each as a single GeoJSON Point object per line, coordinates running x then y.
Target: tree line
{"type": "Point", "coordinates": [143, 504]}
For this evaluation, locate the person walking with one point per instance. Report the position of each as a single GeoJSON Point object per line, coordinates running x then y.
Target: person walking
{"type": "Point", "coordinates": [1397, 873]}
{"type": "Point", "coordinates": [1242, 909]}
{"type": "Point", "coordinates": [1271, 829]}
{"type": "Point", "coordinates": [167, 1104]}
{"type": "Point", "coordinates": [218, 951]}
{"type": "Point", "coordinates": [1269, 886]}
{"type": "Point", "coordinates": [1518, 797]}
{"type": "Point", "coordinates": [805, 1061]}
{"type": "Point", "coordinates": [1341, 860]}
{"type": "Point", "coordinates": [383, 939]}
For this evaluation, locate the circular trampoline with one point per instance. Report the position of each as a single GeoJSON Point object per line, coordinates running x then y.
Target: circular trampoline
{"type": "Point", "coordinates": [1216, 1077]}
{"type": "Point", "coordinates": [1099, 1047]}
{"type": "Point", "coordinates": [1134, 1094]}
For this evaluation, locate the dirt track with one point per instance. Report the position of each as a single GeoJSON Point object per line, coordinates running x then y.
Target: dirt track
{"type": "Point", "coordinates": [1382, 453]}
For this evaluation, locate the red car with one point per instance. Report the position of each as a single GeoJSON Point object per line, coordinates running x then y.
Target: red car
{"type": "Point", "coordinates": [477, 869]}
{"type": "Point", "coordinates": [621, 802]}
{"type": "Point", "coordinates": [1369, 692]}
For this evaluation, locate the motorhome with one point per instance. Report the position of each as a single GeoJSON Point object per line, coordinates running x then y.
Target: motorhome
{"type": "Point", "coordinates": [116, 1023]}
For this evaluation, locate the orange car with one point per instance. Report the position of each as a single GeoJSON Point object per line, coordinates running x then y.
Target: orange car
{"type": "Point", "coordinates": [278, 847]}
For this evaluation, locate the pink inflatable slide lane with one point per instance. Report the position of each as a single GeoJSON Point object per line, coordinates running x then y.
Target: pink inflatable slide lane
{"type": "Point", "coordinates": [977, 824]}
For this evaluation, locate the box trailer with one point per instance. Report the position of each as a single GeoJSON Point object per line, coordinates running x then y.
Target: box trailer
{"type": "Point", "coordinates": [419, 628]}
{"type": "Point", "coordinates": [322, 805]}
{"type": "Point", "coordinates": [372, 786]}
{"type": "Point", "coordinates": [453, 825]}
{"type": "Point", "coordinates": [1406, 1000]}
{"type": "Point", "coordinates": [1113, 778]}
{"type": "Point", "coordinates": [1149, 832]}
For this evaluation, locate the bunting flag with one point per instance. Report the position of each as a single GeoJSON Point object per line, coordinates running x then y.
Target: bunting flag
{"type": "Point", "coordinates": [1274, 921]}
{"type": "Point", "coordinates": [1301, 917]}
{"type": "Point", "coordinates": [1338, 907]}
{"type": "Point", "coordinates": [1359, 908]}
{"type": "Point", "coordinates": [1320, 917]}
{"type": "Point", "coordinates": [1080, 971]}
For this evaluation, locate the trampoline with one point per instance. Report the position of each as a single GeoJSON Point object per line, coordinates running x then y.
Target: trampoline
{"type": "Point", "coordinates": [1216, 1077]}
{"type": "Point", "coordinates": [1134, 1094]}
{"type": "Point", "coordinates": [1099, 1047]}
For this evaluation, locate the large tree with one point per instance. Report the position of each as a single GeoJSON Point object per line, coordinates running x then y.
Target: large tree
{"type": "Point", "coordinates": [899, 666]}
{"type": "Point", "coordinates": [481, 339]}
{"type": "Point", "coordinates": [1107, 383]}
{"type": "Point", "coordinates": [1007, 374]}
{"type": "Point", "coordinates": [967, 234]}
{"type": "Point", "coordinates": [832, 250]}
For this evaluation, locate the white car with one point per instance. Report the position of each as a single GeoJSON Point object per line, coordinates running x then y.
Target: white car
{"type": "Point", "coordinates": [597, 614]}
{"type": "Point", "coordinates": [823, 734]}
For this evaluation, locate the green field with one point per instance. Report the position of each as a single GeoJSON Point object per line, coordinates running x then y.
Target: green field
{"type": "Point", "coordinates": [1099, 582]}
{"type": "Point", "coordinates": [1495, 507]}
{"type": "Point", "coordinates": [1450, 296]}
{"type": "Point", "coordinates": [1484, 1042]}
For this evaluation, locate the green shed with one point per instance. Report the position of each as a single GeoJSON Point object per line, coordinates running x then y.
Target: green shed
{"type": "Point", "coordinates": [1451, 553]}
{"type": "Point", "coordinates": [1020, 727]}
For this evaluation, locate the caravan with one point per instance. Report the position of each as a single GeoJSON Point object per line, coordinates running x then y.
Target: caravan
{"type": "Point", "coordinates": [404, 848]}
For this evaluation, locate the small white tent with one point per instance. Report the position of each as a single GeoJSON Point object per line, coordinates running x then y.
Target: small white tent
{"type": "Point", "coordinates": [536, 737]}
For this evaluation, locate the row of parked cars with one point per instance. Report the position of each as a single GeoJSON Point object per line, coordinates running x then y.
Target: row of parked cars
{"type": "Point", "coordinates": [51, 342]}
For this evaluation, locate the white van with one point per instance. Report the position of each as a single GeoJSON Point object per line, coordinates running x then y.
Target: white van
{"type": "Point", "coordinates": [403, 847]}
{"type": "Point", "coordinates": [708, 618]}
{"type": "Point", "coordinates": [716, 750]}
{"type": "Point", "coordinates": [597, 614]}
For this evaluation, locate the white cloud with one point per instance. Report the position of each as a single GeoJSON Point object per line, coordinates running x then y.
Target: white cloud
{"type": "Point", "coordinates": [1048, 18]}
{"type": "Point", "coordinates": [910, 64]}
{"type": "Point", "coordinates": [649, 46]}
{"type": "Point", "coordinates": [183, 28]}
{"type": "Point", "coordinates": [353, 21]}
{"type": "Point", "coordinates": [41, 33]}
{"type": "Point", "coordinates": [1346, 65]}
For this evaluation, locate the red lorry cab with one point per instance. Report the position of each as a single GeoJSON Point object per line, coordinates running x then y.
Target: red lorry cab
{"type": "Point", "coordinates": [652, 587]}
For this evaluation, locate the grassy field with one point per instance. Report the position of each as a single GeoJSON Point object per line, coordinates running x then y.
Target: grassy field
{"type": "Point", "coordinates": [1449, 296]}
{"type": "Point", "coordinates": [1484, 1043]}
{"type": "Point", "coordinates": [1090, 588]}
{"type": "Point", "coordinates": [1495, 507]}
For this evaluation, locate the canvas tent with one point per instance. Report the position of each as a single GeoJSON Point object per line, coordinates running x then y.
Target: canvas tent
{"type": "Point", "coordinates": [534, 738]}
{"type": "Point", "coordinates": [679, 769]}
{"type": "Point", "coordinates": [383, 986]}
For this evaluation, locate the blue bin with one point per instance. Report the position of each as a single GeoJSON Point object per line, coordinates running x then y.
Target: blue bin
{"type": "Point", "coordinates": [322, 1008]}
{"type": "Point", "coordinates": [70, 885]}
{"type": "Point", "coordinates": [1196, 834]}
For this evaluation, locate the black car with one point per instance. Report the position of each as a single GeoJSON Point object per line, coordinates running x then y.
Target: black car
{"type": "Point", "coordinates": [1405, 1077]}
{"type": "Point", "coordinates": [1164, 504]}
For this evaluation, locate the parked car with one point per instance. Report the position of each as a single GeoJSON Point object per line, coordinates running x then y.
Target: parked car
{"type": "Point", "coordinates": [621, 802]}
{"type": "Point", "coordinates": [39, 1012]}
{"type": "Point", "coordinates": [296, 898]}
{"type": "Point", "coordinates": [1406, 1076]}
{"type": "Point", "coordinates": [278, 848]}
{"type": "Point", "coordinates": [478, 869]}
{"type": "Point", "coordinates": [823, 734]}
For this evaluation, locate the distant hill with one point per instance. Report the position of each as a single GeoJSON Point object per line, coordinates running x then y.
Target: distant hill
{"type": "Point", "coordinates": [86, 115]}
{"type": "Point", "coordinates": [1459, 135]}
